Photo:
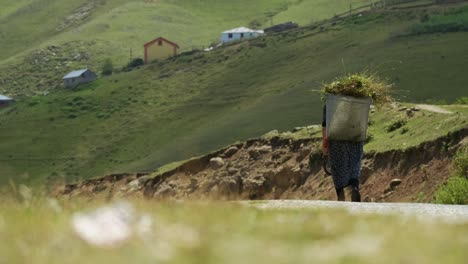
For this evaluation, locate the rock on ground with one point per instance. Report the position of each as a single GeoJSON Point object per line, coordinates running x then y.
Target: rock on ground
{"type": "Point", "coordinates": [216, 163]}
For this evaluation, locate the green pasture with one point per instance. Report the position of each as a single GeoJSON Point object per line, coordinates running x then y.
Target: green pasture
{"type": "Point", "coordinates": [187, 106]}
{"type": "Point", "coordinates": [125, 25]}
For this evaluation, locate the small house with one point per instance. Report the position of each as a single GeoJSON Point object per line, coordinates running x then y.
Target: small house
{"type": "Point", "coordinates": [75, 78]}
{"type": "Point", "coordinates": [5, 101]}
{"type": "Point", "coordinates": [239, 34]}
{"type": "Point", "coordinates": [160, 48]}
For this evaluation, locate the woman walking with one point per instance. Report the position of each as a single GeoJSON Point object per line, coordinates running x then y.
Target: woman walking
{"type": "Point", "coordinates": [349, 99]}
{"type": "Point", "coordinates": [345, 161]}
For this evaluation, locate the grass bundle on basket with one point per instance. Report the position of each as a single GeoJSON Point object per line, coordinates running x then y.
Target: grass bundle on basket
{"type": "Point", "coordinates": [360, 85]}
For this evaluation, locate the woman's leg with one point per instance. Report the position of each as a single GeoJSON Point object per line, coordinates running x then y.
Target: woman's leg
{"type": "Point", "coordinates": [355, 154]}
{"type": "Point", "coordinates": [355, 193]}
{"type": "Point", "coordinates": [340, 194]}
{"type": "Point", "coordinates": [339, 159]}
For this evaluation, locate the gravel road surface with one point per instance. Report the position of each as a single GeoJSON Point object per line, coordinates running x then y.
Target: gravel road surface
{"type": "Point", "coordinates": [450, 213]}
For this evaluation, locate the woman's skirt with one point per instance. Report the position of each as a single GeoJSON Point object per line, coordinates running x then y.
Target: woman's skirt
{"type": "Point", "coordinates": [345, 161]}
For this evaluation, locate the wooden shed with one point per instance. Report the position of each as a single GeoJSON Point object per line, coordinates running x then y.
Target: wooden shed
{"type": "Point", "coordinates": [75, 78]}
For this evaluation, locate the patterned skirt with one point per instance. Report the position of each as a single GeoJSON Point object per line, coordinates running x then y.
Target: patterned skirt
{"type": "Point", "coordinates": [345, 162]}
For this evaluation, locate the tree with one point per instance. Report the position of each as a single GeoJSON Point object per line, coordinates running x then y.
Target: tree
{"type": "Point", "coordinates": [108, 67]}
{"type": "Point", "coordinates": [135, 63]}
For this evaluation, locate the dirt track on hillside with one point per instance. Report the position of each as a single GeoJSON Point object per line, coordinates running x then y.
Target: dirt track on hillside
{"type": "Point", "coordinates": [280, 168]}
{"type": "Point", "coordinates": [434, 108]}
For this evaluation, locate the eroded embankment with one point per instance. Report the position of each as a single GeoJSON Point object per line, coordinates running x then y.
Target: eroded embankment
{"type": "Point", "coordinates": [279, 168]}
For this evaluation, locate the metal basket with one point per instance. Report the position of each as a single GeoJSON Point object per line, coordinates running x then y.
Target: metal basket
{"type": "Point", "coordinates": [347, 118]}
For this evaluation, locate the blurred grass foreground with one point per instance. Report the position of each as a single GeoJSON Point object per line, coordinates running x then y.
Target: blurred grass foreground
{"type": "Point", "coordinates": [138, 231]}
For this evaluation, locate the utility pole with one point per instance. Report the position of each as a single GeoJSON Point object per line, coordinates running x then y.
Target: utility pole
{"type": "Point", "coordinates": [131, 54]}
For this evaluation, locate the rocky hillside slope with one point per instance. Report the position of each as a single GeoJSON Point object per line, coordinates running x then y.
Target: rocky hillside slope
{"type": "Point", "coordinates": [288, 166]}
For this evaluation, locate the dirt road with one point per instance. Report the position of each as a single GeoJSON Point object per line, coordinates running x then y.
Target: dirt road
{"type": "Point", "coordinates": [434, 108]}
{"type": "Point", "coordinates": [449, 213]}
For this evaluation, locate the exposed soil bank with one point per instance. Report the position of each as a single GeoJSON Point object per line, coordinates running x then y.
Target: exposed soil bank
{"type": "Point", "coordinates": [279, 168]}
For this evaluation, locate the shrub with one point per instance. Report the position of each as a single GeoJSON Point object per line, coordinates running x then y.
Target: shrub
{"type": "Point", "coordinates": [137, 62]}
{"type": "Point", "coordinates": [424, 18]}
{"type": "Point", "coordinates": [437, 101]}
{"type": "Point", "coordinates": [421, 197]}
{"type": "Point", "coordinates": [107, 67]}
{"type": "Point", "coordinates": [462, 100]}
{"type": "Point", "coordinates": [259, 44]}
{"type": "Point", "coordinates": [455, 191]}
{"type": "Point", "coordinates": [395, 125]}
{"type": "Point", "coordinates": [33, 103]}
{"type": "Point", "coordinates": [102, 115]}
{"type": "Point", "coordinates": [78, 98]}
{"type": "Point", "coordinates": [360, 85]}
{"type": "Point", "coordinates": [461, 162]}
{"type": "Point", "coordinates": [370, 137]}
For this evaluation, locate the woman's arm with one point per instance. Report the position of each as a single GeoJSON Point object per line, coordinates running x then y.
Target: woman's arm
{"type": "Point", "coordinates": [324, 132]}
{"type": "Point", "coordinates": [324, 141]}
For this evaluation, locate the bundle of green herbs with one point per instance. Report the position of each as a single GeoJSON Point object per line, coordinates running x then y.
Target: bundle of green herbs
{"type": "Point", "coordinates": [360, 85]}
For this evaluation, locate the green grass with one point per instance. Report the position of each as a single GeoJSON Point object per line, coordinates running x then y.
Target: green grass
{"type": "Point", "coordinates": [188, 106]}
{"type": "Point", "coordinates": [405, 131]}
{"type": "Point", "coordinates": [230, 233]}
{"type": "Point", "coordinates": [307, 12]}
{"type": "Point", "coordinates": [413, 3]}
{"type": "Point", "coordinates": [27, 24]}
{"type": "Point", "coordinates": [424, 126]}
{"type": "Point", "coordinates": [129, 24]}
{"type": "Point", "coordinates": [115, 29]}
{"type": "Point", "coordinates": [455, 21]}
{"type": "Point", "coordinates": [11, 6]}
{"type": "Point", "coordinates": [30, 24]}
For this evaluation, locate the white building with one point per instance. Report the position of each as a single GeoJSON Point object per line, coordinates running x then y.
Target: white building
{"type": "Point", "coordinates": [5, 101]}
{"type": "Point", "coordinates": [239, 34]}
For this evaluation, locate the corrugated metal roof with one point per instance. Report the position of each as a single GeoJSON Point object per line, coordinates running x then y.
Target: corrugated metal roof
{"type": "Point", "coordinates": [75, 74]}
{"type": "Point", "coordinates": [243, 30]}
{"type": "Point", "coordinates": [5, 98]}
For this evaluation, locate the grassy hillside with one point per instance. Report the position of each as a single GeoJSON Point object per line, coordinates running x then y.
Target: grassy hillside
{"type": "Point", "coordinates": [195, 103]}
{"type": "Point", "coordinates": [27, 23]}
{"type": "Point", "coordinates": [87, 32]}
{"type": "Point", "coordinates": [307, 12]}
